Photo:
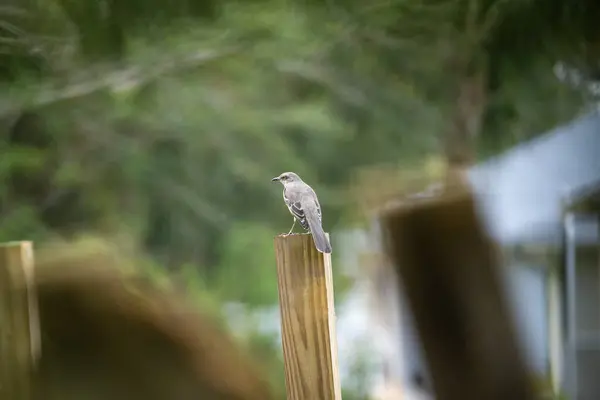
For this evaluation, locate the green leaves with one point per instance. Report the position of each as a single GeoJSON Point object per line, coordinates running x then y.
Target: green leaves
{"type": "Point", "coordinates": [248, 90]}
{"type": "Point", "coordinates": [247, 270]}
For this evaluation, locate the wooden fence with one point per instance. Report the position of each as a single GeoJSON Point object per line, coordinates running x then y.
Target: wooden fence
{"type": "Point", "coordinates": [442, 259]}
{"type": "Point", "coordinates": [447, 267]}
{"type": "Point", "coordinates": [19, 325]}
{"type": "Point", "coordinates": [107, 334]}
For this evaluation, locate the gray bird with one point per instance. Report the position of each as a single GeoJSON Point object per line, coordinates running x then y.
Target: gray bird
{"type": "Point", "coordinates": [302, 202]}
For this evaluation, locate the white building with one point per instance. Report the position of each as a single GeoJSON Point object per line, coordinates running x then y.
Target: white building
{"type": "Point", "coordinates": [529, 197]}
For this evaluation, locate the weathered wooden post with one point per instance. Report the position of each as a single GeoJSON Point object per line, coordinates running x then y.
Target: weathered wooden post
{"type": "Point", "coordinates": [309, 339]}
{"type": "Point", "coordinates": [19, 331]}
{"type": "Point", "coordinates": [447, 267]}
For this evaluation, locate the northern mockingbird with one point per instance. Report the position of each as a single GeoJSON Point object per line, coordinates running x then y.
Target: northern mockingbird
{"type": "Point", "coordinates": [303, 203]}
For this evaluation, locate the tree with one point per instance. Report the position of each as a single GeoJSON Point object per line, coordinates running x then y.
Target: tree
{"type": "Point", "coordinates": [248, 90]}
{"type": "Point", "coordinates": [466, 55]}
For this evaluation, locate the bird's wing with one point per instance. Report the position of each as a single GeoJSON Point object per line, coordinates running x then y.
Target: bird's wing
{"type": "Point", "coordinates": [318, 206]}
{"type": "Point", "coordinates": [313, 218]}
{"type": "Point", "coordinates": [295, 208]}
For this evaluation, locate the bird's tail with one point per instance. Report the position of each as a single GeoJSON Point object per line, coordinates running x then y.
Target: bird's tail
{"type": "Point", "coordinates": [321, 241]}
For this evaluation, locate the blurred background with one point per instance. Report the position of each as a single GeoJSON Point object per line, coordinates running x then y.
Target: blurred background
{"type": "Point", "coordinates": [159, 125]}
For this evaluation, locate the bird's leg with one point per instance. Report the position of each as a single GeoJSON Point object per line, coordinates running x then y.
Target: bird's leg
{"type": "Point", "coordinates": [294, 224]}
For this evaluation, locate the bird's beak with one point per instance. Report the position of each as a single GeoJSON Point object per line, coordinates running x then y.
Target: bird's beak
{"type": "Point", "coordinates": [275, 179]}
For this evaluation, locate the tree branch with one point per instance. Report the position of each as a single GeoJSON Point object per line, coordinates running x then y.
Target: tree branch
{"type": "Point", "coordinates": [116, 81]}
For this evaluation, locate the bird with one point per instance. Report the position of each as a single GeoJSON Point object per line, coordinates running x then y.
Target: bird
{"type": "Point", "coordinates": [302, 202]}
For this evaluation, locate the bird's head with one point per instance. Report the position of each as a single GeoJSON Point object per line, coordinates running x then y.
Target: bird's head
{"type": "Point", "coordinates": [287, 177]}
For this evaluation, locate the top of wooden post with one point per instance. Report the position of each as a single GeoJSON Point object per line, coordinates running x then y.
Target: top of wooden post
{"type": "Point", "coordinates": [447, 266]}
{"type": "Point", "coordinates": [307, 319]}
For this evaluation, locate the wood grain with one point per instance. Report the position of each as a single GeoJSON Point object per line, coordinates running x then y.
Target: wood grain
{"type": "Point", "coordinates": [447, 267]}
{"type": "Point", "coordinates": [307, 319]}
{"type": "Point", "coordinates": [19, 330]}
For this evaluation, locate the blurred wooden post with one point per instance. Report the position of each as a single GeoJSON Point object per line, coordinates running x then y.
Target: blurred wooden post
{"type": "Point", "coordinates": [307, 319]}
{"type": "Point", "coordinates": [19, 333]}
{"type": "Point", "coordinates": [447, 267]}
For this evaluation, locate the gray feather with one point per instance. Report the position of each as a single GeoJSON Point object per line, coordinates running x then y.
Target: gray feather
{"type": "Point", "coordinates": [314, 222]}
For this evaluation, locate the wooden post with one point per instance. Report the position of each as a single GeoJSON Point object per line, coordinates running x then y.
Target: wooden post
{"type": "Point", "coordinates": [307, 319]}
{"type": "Point", "coordinates": [19, 332]}
{"type": "Point", "coordinates": [447, 267]}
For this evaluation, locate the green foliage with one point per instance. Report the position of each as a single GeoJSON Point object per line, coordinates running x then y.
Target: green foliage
{"type": "Point", "coordinates": [22, 223]}
{"type": "Point", "coordinates": [247, 269]}
{"type": "Point", "coordinates": [254, 89]}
